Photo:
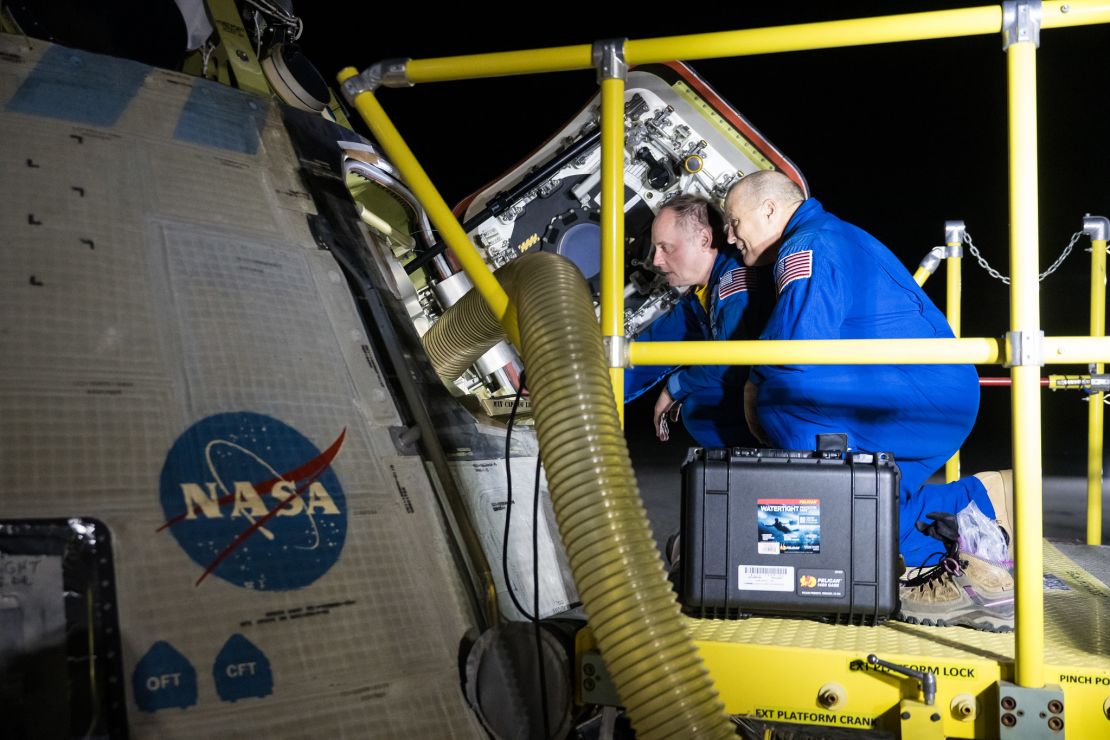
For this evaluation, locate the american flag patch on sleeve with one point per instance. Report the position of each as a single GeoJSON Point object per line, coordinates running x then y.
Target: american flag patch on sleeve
{"type": "Point", "coordinates": [732, 281]}
{"type": "Point", "coordinates": [793, 267]}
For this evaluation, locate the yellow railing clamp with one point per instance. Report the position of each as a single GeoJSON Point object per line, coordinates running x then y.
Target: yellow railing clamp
{"type": "Point", "coordinates": [386, 73]}
{"type": "Point", "coordinates": [608, 58]}
{"type": "Point", "coordinates": [1021, 21]}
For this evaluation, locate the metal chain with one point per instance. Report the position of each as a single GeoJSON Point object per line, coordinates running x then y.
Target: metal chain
{"type": "Point", "coordinates": [983, 261]}
{"type": "Point", "coordinates": [999, 276]}
{"type": "Point", "coordinates": [1063, 256]}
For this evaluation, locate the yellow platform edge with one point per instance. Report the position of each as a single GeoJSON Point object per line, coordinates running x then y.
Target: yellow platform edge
{"type": "Point", "coordinates": [773, 669]}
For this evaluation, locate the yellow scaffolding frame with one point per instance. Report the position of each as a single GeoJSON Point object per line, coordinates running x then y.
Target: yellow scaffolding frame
{"type": "Point", "coordinates": [1025, 347]}
{"type": "Point", "coordinates": [1095, 429]}
{"type": "Point", "coordinates": [1025, 396]}
{"type": "Point", "coordinates": [612, 223]}
{"type": "Point", "coordinates": [953, 264]}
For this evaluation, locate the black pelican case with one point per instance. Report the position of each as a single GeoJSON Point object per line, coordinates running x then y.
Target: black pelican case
{"type": "Point", "coordinates": [787, 532]}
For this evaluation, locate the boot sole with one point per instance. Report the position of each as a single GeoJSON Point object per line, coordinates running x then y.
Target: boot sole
{"type": "Point", "coordinates": [984, 624]}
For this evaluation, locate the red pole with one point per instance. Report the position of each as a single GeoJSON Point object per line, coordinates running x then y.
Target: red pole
{"type": "Point", "coordinates": [987, 382]}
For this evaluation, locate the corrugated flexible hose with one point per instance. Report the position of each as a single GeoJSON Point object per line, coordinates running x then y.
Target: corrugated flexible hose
{"type": "Point", "coordinates": [466, 331]}
{"type": "Point", "coordinates": [619, 574]}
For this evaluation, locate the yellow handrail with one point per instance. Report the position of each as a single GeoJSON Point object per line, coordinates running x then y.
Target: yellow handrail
{"type": "Point", "coordinates": [823, 35]}
{"type": "Point", "coordinates": [500, 64]}
{"type": "Point", "coordinates": [938, 24]}
{"type": "Point", "coordinates": [976, 351]}
{"type": "Point", "coordinates": [1075, 350]}
{"type": "Point", "coordinates": [1064, 14]}
{"type": "Point", "coordinates": [820, 352]}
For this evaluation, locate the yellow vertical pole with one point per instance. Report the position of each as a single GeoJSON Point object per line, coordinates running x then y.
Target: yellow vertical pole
{"type": "Point", "coordinates": [609, 58]}
{"type": "Point", "coordinates": [1096, 227]}
{"type": "Point", "coordinates": [1025, 333]}
{"type": "Point", "coordinates": [953, 237]}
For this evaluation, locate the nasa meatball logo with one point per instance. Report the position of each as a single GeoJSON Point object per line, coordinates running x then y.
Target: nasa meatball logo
{"type": "Point", "coordinates": [253, 501]}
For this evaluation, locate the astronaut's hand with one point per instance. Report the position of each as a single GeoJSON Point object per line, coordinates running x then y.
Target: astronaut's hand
{"type": "Point", "coordinates": [665, 408]}
{"type": "Point", "coordinates": [750, 413]}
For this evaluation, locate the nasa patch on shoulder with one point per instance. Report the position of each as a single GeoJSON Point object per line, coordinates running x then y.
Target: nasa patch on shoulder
{"type": "Point", "coordinates": [733, 281]}
{"type": "Point", "coordinates": [253, 501]}
{"type": "Point", "coordinates": [796, 266]}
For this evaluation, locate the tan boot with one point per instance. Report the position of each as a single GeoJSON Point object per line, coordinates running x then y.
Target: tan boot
{"type": "Point", "coordinates": [1000, 490]}
{"type": "Point", "coordinates": [961, 590]}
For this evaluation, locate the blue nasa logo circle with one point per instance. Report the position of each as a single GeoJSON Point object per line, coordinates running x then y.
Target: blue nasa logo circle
{"type": "Point", "coordinates": [253, 501]}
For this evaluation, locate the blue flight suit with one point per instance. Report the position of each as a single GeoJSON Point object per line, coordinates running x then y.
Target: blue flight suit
{"type": "Point", "coordinates": [836, 281]}
{"type": "Point", "coordinates": [712, 396]}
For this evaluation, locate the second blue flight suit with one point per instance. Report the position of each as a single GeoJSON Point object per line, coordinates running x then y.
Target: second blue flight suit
{"type": "Point", "coordinates": [836, 281]}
